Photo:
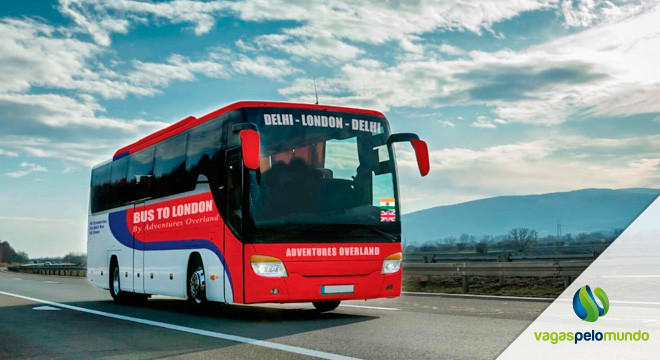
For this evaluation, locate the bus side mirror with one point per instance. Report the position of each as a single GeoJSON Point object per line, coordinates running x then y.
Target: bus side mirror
{"type": "Point", "coordinates": [420, 147]}
{"type": "Point", "coordinates": [250, 146]}
{"type": "Point", "coordinates": [422, 155]}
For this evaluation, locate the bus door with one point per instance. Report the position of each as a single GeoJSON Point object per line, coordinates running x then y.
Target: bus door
{"type": "Point", "coordinates": [233, 247]}
{"type": "Point", "coordinates": [138, 249]}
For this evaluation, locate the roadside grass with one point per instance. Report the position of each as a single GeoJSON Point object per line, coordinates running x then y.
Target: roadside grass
{"type": "Point", "coordinates": [549, 287]}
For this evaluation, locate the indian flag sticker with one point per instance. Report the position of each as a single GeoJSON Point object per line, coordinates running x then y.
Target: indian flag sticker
{"type": "Point", "coordinates": [387, 204]}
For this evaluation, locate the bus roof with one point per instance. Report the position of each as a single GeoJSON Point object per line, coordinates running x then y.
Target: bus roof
{"type": "Point", "coordinates": [192, 121]}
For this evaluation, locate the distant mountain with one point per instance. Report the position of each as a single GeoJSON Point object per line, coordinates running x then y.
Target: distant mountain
{"type": "Point", "coordinates": [578, 211]}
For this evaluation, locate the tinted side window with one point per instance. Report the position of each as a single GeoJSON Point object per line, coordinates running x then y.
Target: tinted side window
{"type": "Point", "coordinates": [118, 185]}
{"type": "Point", "coordinates": [140, 174]}
{"type": "Point", "coordinates": [100, 188]}
{"type": "Point", "coordinates": [204, 150]}
{"type": "Point", "coordinates": [170, 176]}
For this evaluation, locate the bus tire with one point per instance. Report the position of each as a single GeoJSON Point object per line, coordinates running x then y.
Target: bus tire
{"type": "Point", "coordinates": [324, 306]}
{"type": "Point", "coordinates": [196, 283]}
{"type": "Point", "coordinates": [118, 296]}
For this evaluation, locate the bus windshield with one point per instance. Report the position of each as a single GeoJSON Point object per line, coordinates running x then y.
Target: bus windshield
{"type": "Point", "coordinates": [323, 176]}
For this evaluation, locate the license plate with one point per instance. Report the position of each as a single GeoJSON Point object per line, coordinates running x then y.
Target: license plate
{"type": "Point", "coordinates": [336, 289]}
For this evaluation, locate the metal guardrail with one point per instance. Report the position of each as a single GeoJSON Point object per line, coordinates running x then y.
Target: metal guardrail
{"type": "Point", "coordinates": [521, 268]}
{"type": "Point", "coordinates": [435, 258]}
{"type": "Point", "coordinates": [61, 270]}
{"type": "Point", "coordinates": [565, 269]}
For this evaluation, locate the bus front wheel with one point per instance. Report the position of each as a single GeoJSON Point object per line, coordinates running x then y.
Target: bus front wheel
{"type": "Point", "coordinates": [196, 283]}
{"type": "Point", "coordinates": [324, 306]}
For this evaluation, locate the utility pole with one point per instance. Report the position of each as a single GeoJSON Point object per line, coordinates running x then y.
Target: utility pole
{"type": "Point", "coordinates": [558, 229]}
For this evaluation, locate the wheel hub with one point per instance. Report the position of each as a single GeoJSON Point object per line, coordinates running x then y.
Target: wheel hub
{"type": "Point", "coordinates": [197, 283]}
{"type": "Point", "coordinates": [115, 281]}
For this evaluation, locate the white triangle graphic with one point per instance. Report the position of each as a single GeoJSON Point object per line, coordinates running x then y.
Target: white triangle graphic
{"type": "Point", "coordinates": [629, 273]}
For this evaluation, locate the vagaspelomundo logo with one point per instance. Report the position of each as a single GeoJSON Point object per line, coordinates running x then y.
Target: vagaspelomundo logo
{"type": "Point", "coordinates": [585, 305]}
{"type": "Point", "coordinates": [587, 308]}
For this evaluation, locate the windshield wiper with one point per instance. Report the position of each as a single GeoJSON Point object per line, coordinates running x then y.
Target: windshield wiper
{"type": "Point", "coordinates": [378, 231]}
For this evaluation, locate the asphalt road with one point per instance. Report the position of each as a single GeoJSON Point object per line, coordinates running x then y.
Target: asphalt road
{"type": "Point", "coordinates": [88, 324]}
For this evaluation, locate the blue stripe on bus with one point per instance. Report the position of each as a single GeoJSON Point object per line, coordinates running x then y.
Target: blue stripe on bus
{"type": "Point", "coordinates": [119, 229]}
{"type": "Point", "coordinates": [120, 155]}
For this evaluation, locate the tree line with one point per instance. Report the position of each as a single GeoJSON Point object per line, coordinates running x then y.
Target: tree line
{"type": "Point", "coordinates": [10, 256]}
{"type": "Point", "coordinates": [517, 239]}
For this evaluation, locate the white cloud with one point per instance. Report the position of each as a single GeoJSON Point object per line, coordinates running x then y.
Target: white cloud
{"type": "Point", "coordinates": [584, 13]}
{"type": "Point", "coordinates": [316, 47]}
{"type": "Point", "coordinates": [37, 219]}
{"type": "Point", "coordinates": [28, 168]}
{"type": "Point", "coordinates": [259, 65]}
{"type": "Point", "coordinates": [103, 18]}
{"type": "Point", "coordinates": [457, 158]}
{"type": "Point", "coordinates": [37, 55]}
{"type": "Point", "coordinates": [377, 21]}
{"type": "Point", "coordinates": [264, 66]}
{"type": "Point", "coordinates": [53, 79]}
{"type": "Point", "coordinates": [451, 50]}
{"type": "Point", "coordinates": [59, 111]}
{"type": "Point", "coordinates": [325, 30]}
{"type": "Point", "coordinates": [71, 153]}
{"type": "Point", "coordinates": [34, 53]}
{"type": "Point", "coordinates": [500, 154]}
{"type": "Point", "coordinates": [528, 167]}
{"type": "Point", "coordinates": [486, 123]}
{"type": "Point", "coordinates": [177, 68]}
{"type": "Point", "coordinates": [608, 70]}
{"type": "Point", "coordinates": [446, 123]}
{"type": "Point", "coordinates": [330, 31]}
{"type": "Point", "coordinates": [8, 153]}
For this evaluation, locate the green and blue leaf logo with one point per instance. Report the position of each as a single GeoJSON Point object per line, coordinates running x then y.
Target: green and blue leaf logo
{"type": "Point", "coordinates": [585, 305]}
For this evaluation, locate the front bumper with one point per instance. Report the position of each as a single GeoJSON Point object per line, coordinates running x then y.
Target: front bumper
{"type": "Point", "coordinates": [298, 288]}
{"type": "Point", "coordinates": [310, 267]}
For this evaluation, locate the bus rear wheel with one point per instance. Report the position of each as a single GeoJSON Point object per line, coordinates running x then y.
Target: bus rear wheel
{"type": "Point", "coordinates": [196, 284]}
{"type": "Point", "coordinates": [115, 283]}
{"type": "Point", "coordinates": [324, 306]}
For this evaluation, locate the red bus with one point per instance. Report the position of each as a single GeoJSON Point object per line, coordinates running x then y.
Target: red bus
{"type": "Point", "coordinates": [257, 202]}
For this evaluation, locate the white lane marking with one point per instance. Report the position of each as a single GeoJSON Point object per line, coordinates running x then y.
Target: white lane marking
{"type": "Point", "coordinates": [630, 276]}
{"type": "Point", "coordinates": [51, 282]}
{"type": "Point", "coordinates": [634, 302]}
{"type": "Point", "coordinates": [494, 297]}
{"type": "Point", "coordinates": [369, 307]}
{"type": "Point", "coordinates": [46, 307]}
{"type": "Point", "coordinates": [623, 302]}
{"type": "Point", "coordinates": [213, 334]}
{"type": "Point", "coordinates": [16, 279]}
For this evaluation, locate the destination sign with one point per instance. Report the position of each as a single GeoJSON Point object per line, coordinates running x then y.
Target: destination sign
{"type": "Point", "coordinates": [322, 121]}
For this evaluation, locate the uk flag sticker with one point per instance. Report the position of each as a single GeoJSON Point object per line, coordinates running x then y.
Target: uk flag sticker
{"type": "Point", "coordinates": [387, 215]}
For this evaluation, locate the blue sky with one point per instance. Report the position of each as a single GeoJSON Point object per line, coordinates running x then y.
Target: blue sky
{"type": "Point", "coordinates": [515, 97]}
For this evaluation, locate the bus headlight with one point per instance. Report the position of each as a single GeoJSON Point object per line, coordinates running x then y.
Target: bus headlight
{"type": "Point", "coordinates": [267, 266]}
{"type": "Point", "coordinates": [392, 264]}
